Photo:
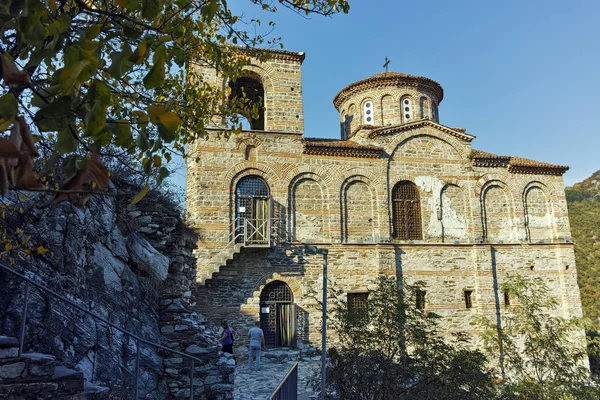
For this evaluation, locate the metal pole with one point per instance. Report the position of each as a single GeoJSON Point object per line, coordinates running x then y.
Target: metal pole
{"type": "Point", "coordinates": [23, 319]}
{"type": "Point", "coordinates": [324, 338]}
{"type": "Point", "coordinates": [137, 368]}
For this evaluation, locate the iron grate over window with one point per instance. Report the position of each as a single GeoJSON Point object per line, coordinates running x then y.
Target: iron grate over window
{"type": "Point", "coordinates": [276, 292]}
{"type": "Point", "coordinates": [357, 303]}
{"type": "Point", "coordinates": [252, 186]}
{"type": "Point", "coordinates": [406, 211]}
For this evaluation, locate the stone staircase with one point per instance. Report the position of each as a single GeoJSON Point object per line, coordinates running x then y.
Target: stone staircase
{"type": "Point", "coordinates": [37, 376]}
{"type": "Point", "coordinates": [210, 265]}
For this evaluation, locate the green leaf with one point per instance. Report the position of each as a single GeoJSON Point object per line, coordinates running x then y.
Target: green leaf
{"type": "Point", "coordinates": [140, 195]}
{"type": "Point", "coordinates": [9, 108]}
{"type": "Point", "coordinates": [120, 62]}
{"type": "Point", "coordinates": [67, 142]}
{"type": "Point", "coordinates": [156, 76]}
{"type": "Point", "coordinates": [69, 75]}
{"type": "Point", "coordinates": [95, 119]}
{"type": "Point", "coordinates": [70, 165]}
{"type": "Point", "coordinates": [141, 118]}
{"type": "Point", "coordinates": [162, 174]}
{"type": "Point", "coordinates": [151, 8]}
{"type": "Point", "coordinates": [168, 125]}
{"type": "Point", "coordinates": [50, 163]}
{"type": "Point", "coordinates": [99, 93]}
{"type": "Point", "coordinates": [122, 133]}
{"type": "Point", "coordinates": [93, 31]}
{"type": "Point", "coordinates": [209, 10]}
{"type": "Point", "coordinates": [55, 116]}
{"type": "Point", "coordinates": [142, 140]}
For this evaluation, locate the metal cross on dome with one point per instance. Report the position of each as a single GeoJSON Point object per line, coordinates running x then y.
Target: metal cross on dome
{"type": "Point", "coordinates": [385, 65]}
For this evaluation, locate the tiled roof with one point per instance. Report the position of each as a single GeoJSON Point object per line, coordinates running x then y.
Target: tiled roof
{"type": "Point", "coordinates": [281, 54]}
{"type": "Point", "coordinates": [388, 130]}
{"type": "Point", "coordinates": [394, 79]}
{"type": "Point", "coordinates": [340, 148]}
{"type": "Point", "coordinates": [516, 164]}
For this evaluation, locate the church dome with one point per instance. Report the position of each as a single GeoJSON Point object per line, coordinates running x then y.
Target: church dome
{"type": "Point", "coordinates": [387, 98]}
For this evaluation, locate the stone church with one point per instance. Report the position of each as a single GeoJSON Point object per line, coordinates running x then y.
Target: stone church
{"type": "Point", "coordinates": [398, 194]}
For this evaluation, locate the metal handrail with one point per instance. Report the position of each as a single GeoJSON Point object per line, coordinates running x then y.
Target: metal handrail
{"type": "Point", "coordinates": [205, 260]}
{"type": "Point", "coordinates": [290, 379]}
{"type": "Point", "coordinates": [139, 340]}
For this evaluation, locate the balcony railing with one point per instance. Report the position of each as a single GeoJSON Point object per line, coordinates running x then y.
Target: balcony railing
{"type": "Point", "coordinates": [288, 387]}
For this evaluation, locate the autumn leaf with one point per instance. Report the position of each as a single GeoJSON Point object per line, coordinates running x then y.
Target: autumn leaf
{"type": "Point", "coordinates": [42, 250]}
{"type": "Point", "coordinates": [138, 197]}
{"type": "Point", "coordinates": [98, 172]}
{"type": "Point", "coordinates": [13, 77]}
{"type": "Point", "coordinates": [27, 137]}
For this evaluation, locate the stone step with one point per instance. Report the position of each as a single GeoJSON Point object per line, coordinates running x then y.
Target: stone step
{"type": "Point", "coordinates": [70, 382]}
{"type": "Point", "coordinates": [24, 391]}
{"type": "Point", "coordinates": [92, 392]}
{"type": "Point", "coordinates": [30, 367]}
{"type": "Point", "coordinates": [9, 347]}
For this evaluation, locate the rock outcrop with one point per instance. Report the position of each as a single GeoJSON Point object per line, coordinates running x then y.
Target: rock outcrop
{"type": "Point", "coordinates": [131, 267]}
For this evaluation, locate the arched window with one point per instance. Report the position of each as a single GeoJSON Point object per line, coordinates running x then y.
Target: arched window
{"type": "Point", "coordinates": [423, 107]}
{"type": "Point", "coordinates": [368, 115]}
{"type": "Point", "coordinates": [252, 203]}
{"type": "Point", "coordinates": [251, 88]}
{"type": "Point", "coordinates": [406, 108]}
{"type": "Point", "coordinates": [343, 127]}
{"type": "Point", "coordinates": [434, 113]}
{"type": "Point", "coordinates": [406, 208]}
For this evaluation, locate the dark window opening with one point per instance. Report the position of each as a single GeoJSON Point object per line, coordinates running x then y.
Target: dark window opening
{"type": "Point", "coordinates": [506, 299]}
{"type": "Point", "coordinates": [468, 299]}
{"type": "Point", "coordinates": [357, 304]}
{"type": "Point", "coordinates": [420, 299]}
{"type": "Point", "coordinates": [252, 89]}
{"type": "Point", "coordinates": [406, 211]}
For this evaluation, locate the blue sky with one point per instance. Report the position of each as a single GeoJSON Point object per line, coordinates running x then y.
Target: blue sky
{"type": "Point", "coordinates": [522, 76]}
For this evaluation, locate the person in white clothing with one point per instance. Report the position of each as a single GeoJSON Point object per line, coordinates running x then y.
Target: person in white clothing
{"type": "Point", "coordinates": [257, 340]}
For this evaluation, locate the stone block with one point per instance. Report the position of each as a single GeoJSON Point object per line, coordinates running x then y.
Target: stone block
{"type": "Point", "coordinates": [12, 370]}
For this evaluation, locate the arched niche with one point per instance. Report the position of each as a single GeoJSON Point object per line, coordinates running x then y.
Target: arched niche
{"type": "Point", "coordinates": [357, 212]}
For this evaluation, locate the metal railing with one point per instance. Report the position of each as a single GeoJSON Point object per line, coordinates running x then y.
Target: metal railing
{"type": "Point", "coordinates": [138, 340]}
{"type": "Point", "coordinates": [288, 387]}
{"type": "Point", "coordinates": [257, 232]}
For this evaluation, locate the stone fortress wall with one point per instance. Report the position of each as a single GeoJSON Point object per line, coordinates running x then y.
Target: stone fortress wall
{"type": "Point", "coordinates": [482, 216]}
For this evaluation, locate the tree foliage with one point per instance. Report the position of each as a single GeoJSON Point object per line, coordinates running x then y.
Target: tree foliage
{"type": "Point", "coordinates": [583, 200]}
{"type": "Point", "coordinates": [83, 75]}
{"type": "Point", "coordinates": [392, 351]}
{"type": "Point", "coordinates": [544, 355]}
{"type": "Point", "coordinates": [90, 83]}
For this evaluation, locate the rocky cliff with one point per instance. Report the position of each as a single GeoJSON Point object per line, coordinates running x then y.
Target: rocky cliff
{"type": "Point", "coordinates": [132, 267]}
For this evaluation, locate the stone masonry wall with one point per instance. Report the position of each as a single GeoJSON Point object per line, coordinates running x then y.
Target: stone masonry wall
{"type": "Point", "coordinates": [343, 204]}
{"type": "Point", "coordinates": [282, 82]}
{"type": "Point", "coordinates": [479, 223]}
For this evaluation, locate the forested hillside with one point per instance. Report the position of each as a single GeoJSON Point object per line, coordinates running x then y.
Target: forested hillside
{"type": "Point", "coordinates": [584, 213]}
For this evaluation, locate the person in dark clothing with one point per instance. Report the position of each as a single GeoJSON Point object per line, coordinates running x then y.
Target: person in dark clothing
{"type": "Point", "coordinates": [227, 339]}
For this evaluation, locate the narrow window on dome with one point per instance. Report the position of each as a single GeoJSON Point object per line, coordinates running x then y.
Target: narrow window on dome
{"type": "Point", "coordinates": [423, 108]}
{"type": "Point", "coordinates": [406, 107]}
{"type": "Point", "coordinates": [368, 114]}
{"type": "Point", "coordinates": [434, 113]}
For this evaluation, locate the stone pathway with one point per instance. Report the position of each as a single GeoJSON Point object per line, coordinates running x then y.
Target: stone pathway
{"type": "Point", "coordinates": [275, 364]}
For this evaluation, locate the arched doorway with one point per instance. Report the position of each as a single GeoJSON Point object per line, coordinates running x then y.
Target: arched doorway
{"type": "Point", "coordinates": [252, 204]}
{"type": "Point", "coordinates": [278, 315]}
